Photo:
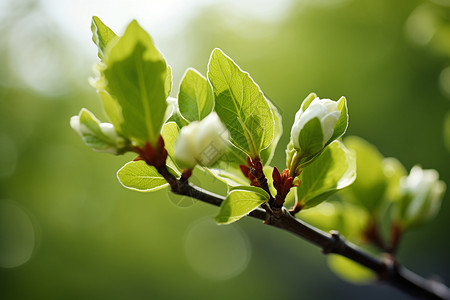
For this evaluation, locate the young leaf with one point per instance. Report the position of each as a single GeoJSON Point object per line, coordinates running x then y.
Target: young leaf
{"type": "Point", "coordinates": [112, 109]}
{"type": "Point", "coordinates": [101, 36]}
{"type": "Point", "coordinates": [369, 188]}
{"type": "Point", "coordinates": [333, 170]}
{"type": "Point", "coordinates": [267, 154]}
{"type": "Point", "coordinates": [341, 125]}
{"type": "Point", "coordinates": [195, 98]}
{"type": "Point", "coordinates": [311, 137]}
{"type": "Point", "coordinates": [170, 132]}
{"type": "Point", "coordinates": [137, 74]}
{"type": "Point", "coordinates": [231, 175]}
{"type": "Point", "coordinates": [349, 270]}
{"type": "Point", "coordinates": [168, 82]}
{"type": "Point", "coordinates": [138, 176]}
{"type": "Point", "coordinates": [174, 115]}
{"type": "Point", "coordinates": [239, 202]}
{"type": "Point", "coordinates": [241, 105]}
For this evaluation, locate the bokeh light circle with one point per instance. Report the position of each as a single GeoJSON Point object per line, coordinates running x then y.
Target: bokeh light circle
{"type": "Point", "coordinates": [17, 235]}
{"type": "Point", "coordinates": [216, 252]}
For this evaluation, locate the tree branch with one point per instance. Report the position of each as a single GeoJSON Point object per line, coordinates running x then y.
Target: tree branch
{"type": "Point", "coordinates": [386, 268]}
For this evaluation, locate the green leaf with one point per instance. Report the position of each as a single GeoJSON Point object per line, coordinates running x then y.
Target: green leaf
{"type": "Point", "coordinates": [307, 101]}
{"type": "Point", "coordinates": [175, 116]}
{"type": "Point", "coordinates": [394, 171]}
{"type": "Point", "coordinates": [267, 154]}
{"type": "Point", "coordinates": [170, 132]}
{"type": "Point", "coordinates": [101, 36]}
{"type": "Point", "coordinates": [347, 218]}
{"type": "Point", "coordinates": [195, 98]}
{"type": "Point", "coordinates": [310, 138]}
{"type": "Point", "coordinates": [138, 176]}
{"type": "Point", "coordinates": [168, 82]}
{"type": "Point", "coordinates": [370, 185]}
{"type": "Point", "coordinates": [241, 105]}
{"type": "Point", "coordinates": [342, 123]}
{"type": "Point", "coordinates": [137, 74]}
{"type": "Point", "coordinates": [239, 202]}
{"type": "Point", "coordinates": [112, 109]}
{"type": "Point", "coordinates": [231, 175]}
{"type": "Point", "coordinates": [88, 120]}
{"type": "Point", "coordinates": [333, 170]}
{"type": "Point", "coordinates": [350, 270]}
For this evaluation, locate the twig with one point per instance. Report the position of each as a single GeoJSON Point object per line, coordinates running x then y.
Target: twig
{"type": "Point", "coordinates": [386, 268]}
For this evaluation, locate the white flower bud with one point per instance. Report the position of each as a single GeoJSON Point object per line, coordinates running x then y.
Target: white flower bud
{"type": "Point", "coordinates": [325, 110]}
{"type": "Point", "coordinates": [422, 194]}
{"type": "Point", "coordinates": [75, 124]}
{"type": "Point", "coordinates": [109, 131]}
{"type": "Point", "coordinates": [201, 142]}
{"type": "Point", "coordinates": [101, 137]}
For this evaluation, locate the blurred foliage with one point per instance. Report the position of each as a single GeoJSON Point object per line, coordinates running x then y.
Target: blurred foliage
{"type": "Point", "coordinates": [94, 239]}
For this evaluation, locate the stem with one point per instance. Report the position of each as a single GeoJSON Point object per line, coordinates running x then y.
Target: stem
{"type": "Point", "coordinates": [294, 163]}
{"type": "Point", "coordinates": [387, 269]}
{"type": "Point", "coordinates": [372, 234]}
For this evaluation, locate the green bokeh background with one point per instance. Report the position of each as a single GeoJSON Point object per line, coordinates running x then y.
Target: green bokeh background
{"type": "Point", "coordinates": [93, 239]}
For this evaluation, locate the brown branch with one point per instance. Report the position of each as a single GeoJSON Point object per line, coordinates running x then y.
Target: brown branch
{"type": "Point", "coordinates": [386, 268]}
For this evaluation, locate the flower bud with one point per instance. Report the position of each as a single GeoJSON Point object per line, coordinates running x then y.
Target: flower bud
{"type": "Point", "coordinates": [101, 137]}
{"type": "Point", "coordinates": [314, 125]}
{"type": "Point", "coordinates": [201, 142]}
{"type": "Point", "coordinates": [421, 192]}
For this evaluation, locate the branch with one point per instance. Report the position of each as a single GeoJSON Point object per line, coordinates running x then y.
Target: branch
{"type": "Point", "coordinates": [387, 268]}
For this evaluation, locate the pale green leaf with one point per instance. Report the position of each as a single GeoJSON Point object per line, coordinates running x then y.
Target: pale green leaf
{"type": "Point", "coordinates": [112, 109]}
{"type": "Point", "coordinates": [137, 73]}
{"type": "Point", "coordinates": [137, 175]}
{"type": "Point", "coordinates": [333, 170]}
{"type": "Point", "coordinates": [350, 270]}
{"type": "Point", "coordinates": [170, 132]}
{"type": "Point", "coordinates": [88, 120]}
{"type": "Point", "coordinates": [394, 171]}
{"type": "Point", "coordinates": [230, 174]}
{"type": "Point", "coordinates": [310, 138]}
{"type": "Point", "coordinates": [102, 36]}
{"type": "Point", "coordinates": [240, 202]}
{"type": "Point", "coordinates": [195, 98]}
{"type": "Point", "coordinates": [347, 218]}
{"type": "Point", "coordinates": [175, 115]}
{"type": "Point", "coordinates": [342, 123]}
{"type": "Point", "coordinates": [241, 105]}
{"type": "Point", "coordinates": [307, 101]}
{"type": "Point", "coordinates": [267, 154]}
{"type": "Point", "coordinates": [168, 82]}
{"type": "Point", "coordinates": [370, 185]}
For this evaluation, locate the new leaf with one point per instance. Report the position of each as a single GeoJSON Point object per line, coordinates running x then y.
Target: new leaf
{"type": "Point", "coordinates": [139, 80]}
{"type": "Point", "coordinates": [333, 170]}
{"type": "Point", "coordinates": [101, 36]}
{"type": "Point", "coordinates": [138, 176]}
{"type": "Point", "coordinates": [195, 98]}
{"type": "Point", "coordinates": [240, 202]}
{"type": "Point", "coordinates": [241, 105]}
